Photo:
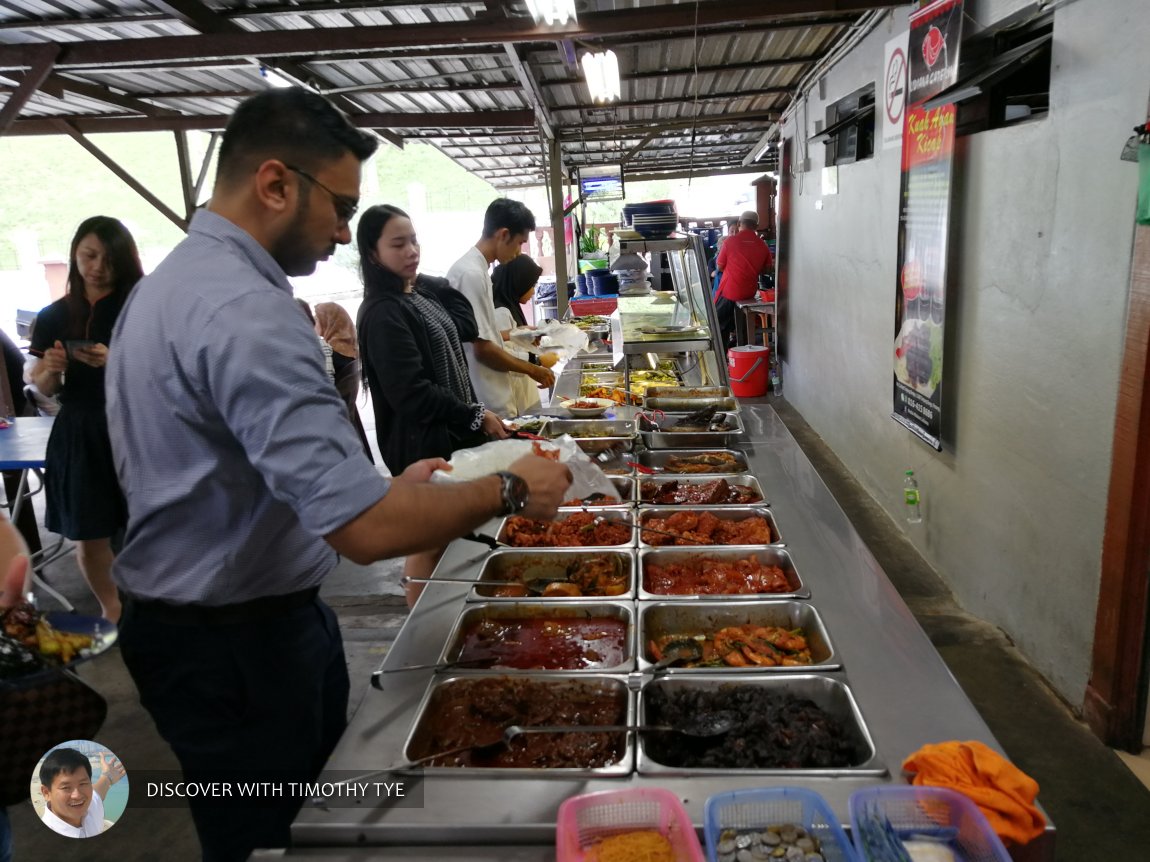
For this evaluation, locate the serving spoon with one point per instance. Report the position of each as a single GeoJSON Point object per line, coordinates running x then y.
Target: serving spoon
{"type": "Point", "coordinates": [717, 725]}
{"type": "Point", "coordinates": [536, 586]}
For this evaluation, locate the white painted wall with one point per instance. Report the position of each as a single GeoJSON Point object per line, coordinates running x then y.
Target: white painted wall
{"type": "Point", "coordinates": [1043, 221]}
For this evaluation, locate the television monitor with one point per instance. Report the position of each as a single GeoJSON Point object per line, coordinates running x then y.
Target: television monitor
{"type": "Point", "coordinates": [601, 183]}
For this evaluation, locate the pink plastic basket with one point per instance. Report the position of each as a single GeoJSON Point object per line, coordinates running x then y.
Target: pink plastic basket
{"type": "Point", "coordinates": [593, 816]}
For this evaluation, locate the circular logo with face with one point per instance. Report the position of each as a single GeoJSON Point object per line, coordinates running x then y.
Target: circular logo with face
{"type": "Point", "coordinates": [79, 789]}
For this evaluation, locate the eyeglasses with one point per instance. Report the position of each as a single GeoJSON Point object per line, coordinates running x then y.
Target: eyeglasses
{"type": "Point", "coordinates": [345, 207]}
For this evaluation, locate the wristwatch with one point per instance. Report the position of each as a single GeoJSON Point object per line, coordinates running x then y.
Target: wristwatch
{"type": "Point", "coordinates": [514, 493]}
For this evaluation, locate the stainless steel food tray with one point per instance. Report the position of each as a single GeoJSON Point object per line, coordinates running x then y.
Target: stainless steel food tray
{"type": "Point", "coordinates": [660, 458]}
{"type": "Point", "coordinates": [601, 378]}
{"type": "Point", "coordinates": [417, 739]}
{"type": "Point", "coordinates": [744, 480]}
{"type": "Point", "coordinates": [512, 564]}
{"type": "Point", "coordinates": [724, 513]}
{"type": "Point", "coordinates": [680, 405]}
{"type": "Point", "coordinates": [619, 433]}
{"type": "Point", "coordinates": [626, 487]}
{"type": "Point", "coordinates": [771, 555]}
{"type": "Point", "coordinates": [688, 398]}
{"type": "Point", "coordinates": [828, 693]}
{"type": "Point", "coordinates": [617, 514]}
{"type": "Point", "coordinates": [597, 366]}
{"type": "Point", "coordinates": [670, 439]}
{"type": "Point", "coordinates": [660, 619]}
{"type": "Point", "coordinates": [691, 393]}
{"type": "Point", "coordinates": [526, 609]}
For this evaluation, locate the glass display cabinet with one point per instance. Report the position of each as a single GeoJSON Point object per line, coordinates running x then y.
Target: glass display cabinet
{"type": "Point", "coordinates": [679, 321]}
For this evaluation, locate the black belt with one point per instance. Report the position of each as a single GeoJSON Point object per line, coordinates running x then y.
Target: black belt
{"type": "Point", "coordinates": [251, 611]}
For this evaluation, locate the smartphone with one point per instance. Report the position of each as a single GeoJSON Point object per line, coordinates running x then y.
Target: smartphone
{"type": "Point", "coordinates": [72, 346]}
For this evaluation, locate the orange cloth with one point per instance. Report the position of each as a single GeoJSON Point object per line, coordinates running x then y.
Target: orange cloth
{"type": "Point", "coordinates": [1003, 792]}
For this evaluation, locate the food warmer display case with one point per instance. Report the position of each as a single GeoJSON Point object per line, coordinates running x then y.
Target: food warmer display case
{"type": "Point", "coordinates": [664, 325]}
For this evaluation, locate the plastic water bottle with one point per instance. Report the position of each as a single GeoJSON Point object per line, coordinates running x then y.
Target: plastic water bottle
{"type": "Point", "coordinates": [911, 495]}
{"type": "Point", "coordinates": [776, 379]}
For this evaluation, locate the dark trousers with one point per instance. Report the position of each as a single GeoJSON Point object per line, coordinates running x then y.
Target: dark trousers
{"type": "Point", "coordinates": [251, 701]}
{"type": "Point", "coordinates": [725, 312]}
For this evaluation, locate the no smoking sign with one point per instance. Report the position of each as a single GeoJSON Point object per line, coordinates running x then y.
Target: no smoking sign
{"type": "Point", "coordinates": [894, 90]}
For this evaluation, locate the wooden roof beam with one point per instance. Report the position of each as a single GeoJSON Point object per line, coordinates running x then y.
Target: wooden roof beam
{"type": "Point", "coordinates": [618, 130]}
{"type": "Point", "coordinates": [44, 59]}
{"type": "Point", "coordinates": [196, 15]}
{"type": "Point", "coordinates": [97, 125]}
{"type": "Point", "coordinates": [689, 71]}
{"type": "Point", "coordinates": [710, 98]}
{"type": "Point", "coordinates": [285, 43]}
{"type": "Point", "coordinates": [531, 90]}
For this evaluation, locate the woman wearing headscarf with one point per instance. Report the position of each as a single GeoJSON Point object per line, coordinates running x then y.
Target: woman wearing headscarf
{"type": "Point", "coordinates": [333, 324]}
{"type": "Point", "coordinates": [513, 285]}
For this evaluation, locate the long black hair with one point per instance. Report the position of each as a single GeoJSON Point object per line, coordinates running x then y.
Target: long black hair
{"type": "Point", "coordinates": [376, 277]}
{"type": "Point", "coordinates": [120, 247]}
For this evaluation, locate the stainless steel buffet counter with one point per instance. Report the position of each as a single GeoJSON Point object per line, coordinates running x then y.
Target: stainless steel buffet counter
{"type": "Point", "coordinates": [901, 685]}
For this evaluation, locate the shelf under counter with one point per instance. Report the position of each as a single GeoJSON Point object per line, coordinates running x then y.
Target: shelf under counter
{"type": "Point", "coordinates": [902, 688]}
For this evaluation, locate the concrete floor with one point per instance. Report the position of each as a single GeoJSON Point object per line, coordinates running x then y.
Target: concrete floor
{"type": "Point", "coordinates": [1101, 808]}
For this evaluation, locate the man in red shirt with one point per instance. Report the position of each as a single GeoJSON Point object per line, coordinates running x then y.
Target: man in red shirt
{"type": "Point", "coordinates": [741, 259]}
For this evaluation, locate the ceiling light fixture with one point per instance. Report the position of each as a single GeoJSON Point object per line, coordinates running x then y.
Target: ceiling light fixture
{"type": "Point", "coordinates": [275, 79]}
{"type": "Point", "coordinates": [602, 74]}
{"type": "Point", "coordinates": [552, 12]}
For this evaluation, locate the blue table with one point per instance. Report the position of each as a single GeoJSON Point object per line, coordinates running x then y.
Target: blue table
{"type": "Point", "coordinates": [24, 447]}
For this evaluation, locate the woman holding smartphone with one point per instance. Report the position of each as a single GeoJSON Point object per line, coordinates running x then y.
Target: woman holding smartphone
{"type": "Point", "coordinates": [70, 339]}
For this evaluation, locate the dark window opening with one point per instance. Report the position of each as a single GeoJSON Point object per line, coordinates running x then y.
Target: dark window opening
{"type": "Point", "coordinates": [1004, 75]}
{"type": "Point", "coordinates": [849, 130]}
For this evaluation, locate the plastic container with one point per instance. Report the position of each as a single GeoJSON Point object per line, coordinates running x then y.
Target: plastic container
{"type": "Point", "coordinates": [593, 816]}
{"type": "Point", "coordinates": [748, 367]}
{"type": "Point", "coordinates": [593, 305]}
{"type": "Point", "coordinates": [758, 808]}
{"type": "Point", "coordinates": [931, 811]}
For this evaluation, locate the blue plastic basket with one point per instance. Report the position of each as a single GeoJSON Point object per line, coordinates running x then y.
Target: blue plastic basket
{"type": "Point", "coordinates": [929, 811]}
{"type": "Point", "coordinates": [759, 808]}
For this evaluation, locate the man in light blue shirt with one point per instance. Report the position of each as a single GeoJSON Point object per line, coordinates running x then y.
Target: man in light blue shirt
{"type": "Point", "coordinates": [244, 478]}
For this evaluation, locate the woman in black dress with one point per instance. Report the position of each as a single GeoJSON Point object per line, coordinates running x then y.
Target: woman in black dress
{"type": "Point", "coordinates": [71, 339]}
{"type": "Point", "coordinates": [410, 328]}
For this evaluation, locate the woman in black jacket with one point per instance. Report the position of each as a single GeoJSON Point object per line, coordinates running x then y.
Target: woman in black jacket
{"type": "Point", "coordinates": [411, 328]}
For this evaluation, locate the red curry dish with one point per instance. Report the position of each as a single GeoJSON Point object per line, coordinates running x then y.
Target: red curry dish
{"type": "Point", "coordinates": [576, 530]}
{"type": "Point", "coordinates": [703, 528]}
{"type": "Point", "coordinates": [715, 492]}
{"type": "Point", "coordinates": [708, 576]}
{"type": "Point", "coordinates": [547, 644]}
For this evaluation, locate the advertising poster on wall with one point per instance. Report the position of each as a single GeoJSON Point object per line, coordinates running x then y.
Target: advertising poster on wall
{"type": "Point", "coordinates": [935, 38]}
{"type": "Point", "coordinates": [923, 229]}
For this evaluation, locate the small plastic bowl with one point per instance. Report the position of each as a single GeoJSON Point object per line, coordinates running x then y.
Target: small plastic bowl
{"type": "Point", "coordinates": [602, 405]}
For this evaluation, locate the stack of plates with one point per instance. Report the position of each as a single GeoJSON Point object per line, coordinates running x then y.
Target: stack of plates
{"type": "Point", "coordinates": [653, 219]}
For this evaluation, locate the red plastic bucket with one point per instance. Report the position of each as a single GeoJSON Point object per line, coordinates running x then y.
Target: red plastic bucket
{"type": "Point", "coordinates": [749, 370]}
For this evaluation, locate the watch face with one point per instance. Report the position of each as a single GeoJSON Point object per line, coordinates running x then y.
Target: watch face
{"type": "Point", "coordinates": [515, 493]}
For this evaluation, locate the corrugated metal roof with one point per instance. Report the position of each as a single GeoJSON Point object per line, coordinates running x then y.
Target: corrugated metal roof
{"type": "Point", "coordinates": [701, 82]}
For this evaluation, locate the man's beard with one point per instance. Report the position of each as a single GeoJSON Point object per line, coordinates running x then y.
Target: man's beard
{"type": "Point", "coordinates": [293, 251]}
